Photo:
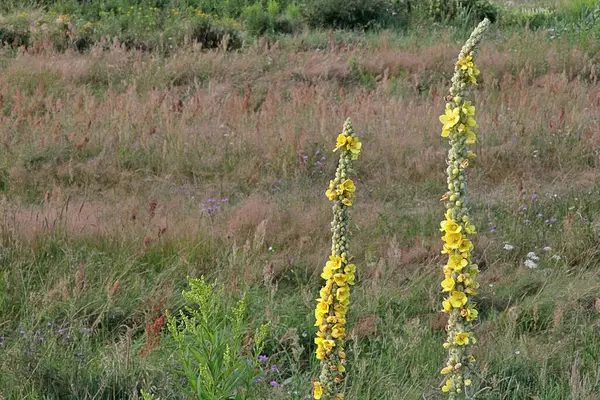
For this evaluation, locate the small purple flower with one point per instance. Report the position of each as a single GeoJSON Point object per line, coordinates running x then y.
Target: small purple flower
{"type": "Point", "coordinates": [317, 153]}
{"type": "Point", "coordinates": [553, 220]}
{"type": "Point", "coordinates": [275, 368]}
{"type": "Point", "coordinates": [249, 361]}
{"type": "Point", "coordinates": [493, 229]}
{"type": "Point", "coordinates": [37, 333]}
{"type": "Point", "coordinates": [42, 340]}
{"type": "Point", "coordinates": [323, 159]}
{"type": "Point", "coordinates": [224, 200]}
{"type": "Point", "coordinates": [262, 358]}
{"type": "Point", "coordinates": [274, 384]}
{"type": "Point", "coordinates": [257, 380]}
{"type": "Point", "coordinates": [22, 333]}
{"type": "Point", "coordinates": [534, 197]}
{"type": "Point", "coordinates": [79, 354]}
{"type": "Point", "coordinates": [304, 158]}
{"type": "Point", "coordinates": [319, 164]}
{"type": "Point", "coordinates": [49, 324]}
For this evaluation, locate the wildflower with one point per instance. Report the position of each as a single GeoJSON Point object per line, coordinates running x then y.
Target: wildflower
{"type": "Point", "coordinates": [509, 247]}
{"type": "Point", "coordinates": [531, 255]}
{"type": "Point", "coordinates": [275, 368]}
{"type": "Point", "coordinates": [262, 358]}
{"type": "Point", "coordinates": [339, 276]}
{"type": "Point", "coordinates": [274, 384]}
{"type": "Point", "coordinates": [555, 257]}
{"type": "Point", "coordinates": [530, 264]}
{"type": "Point", "coordinates": [458, 123]}
{"type": "Point", "coordinates": [317, 390]}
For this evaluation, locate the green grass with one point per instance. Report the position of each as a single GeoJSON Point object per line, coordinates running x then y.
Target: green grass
{"type": "Point", "coordinates": [102, 233]}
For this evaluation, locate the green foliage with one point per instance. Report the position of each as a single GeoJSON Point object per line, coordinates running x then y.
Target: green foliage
{"type": "Point", "coordinates": [210, 338]}
{"type": "Point", "coordinates": [350, 14]}
{"type": "Point", "coordinates": [461, 10]}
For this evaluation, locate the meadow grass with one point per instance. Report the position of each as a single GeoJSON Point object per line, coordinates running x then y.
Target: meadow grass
{"type": "Point", "coordinates": [123, 172]}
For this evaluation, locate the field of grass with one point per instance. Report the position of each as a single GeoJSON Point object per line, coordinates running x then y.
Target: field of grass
{"type": "Point", "coordinates": [123, 172]}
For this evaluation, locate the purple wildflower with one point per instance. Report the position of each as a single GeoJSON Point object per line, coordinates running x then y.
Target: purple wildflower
{"type": "Point", "coordinates": [262, 358]}
{"type": "Point", "coordinates": [275, 368]}
{"type": "Point", "coordinates": [257, 380]}
{"type": "Point", "coordinates": [274, 384]}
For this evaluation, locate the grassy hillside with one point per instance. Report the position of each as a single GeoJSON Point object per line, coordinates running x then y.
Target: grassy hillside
{"type": "Point", "coordinates": [123, 171]}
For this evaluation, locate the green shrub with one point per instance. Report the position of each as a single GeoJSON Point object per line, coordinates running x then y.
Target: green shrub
{"type": "Point", "coordinates": [211, 346]}
{"type": "Point", "coordinates": [14, 29]}
{"type": "Point", "coordinates": [531, 18]}
{"type": "Point", "coordinates": [349, 13]}
{"type": "Point", "coordinates": [450, 10]}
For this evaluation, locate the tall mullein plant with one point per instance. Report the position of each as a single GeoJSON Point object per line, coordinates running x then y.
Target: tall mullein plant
{"type": "Point", "coordinates": [338, 273]}
{"type": "Point", "coordinates": [459, 284]}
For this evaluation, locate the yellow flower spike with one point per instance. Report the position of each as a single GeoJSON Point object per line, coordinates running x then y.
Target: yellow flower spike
{"type": "Point", "coordinates": [458, 123]}
{"type": "Point", "coordinates": [331, 309]}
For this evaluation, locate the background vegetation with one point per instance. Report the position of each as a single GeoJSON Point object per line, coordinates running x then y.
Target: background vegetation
{"type": "Point", "coordinates": [138, 150]}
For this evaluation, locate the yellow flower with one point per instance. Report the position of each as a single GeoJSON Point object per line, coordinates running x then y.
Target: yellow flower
{"type": "Point", "coordinates": [355, 147]}
{"type": "Point", "coordinates": [328, 344]}
{"type": "Point", "coordinates": [450, 226]}
{"type": "Point", "coordinates": [447, 305]}
{"type": "Point", "coordinates": [338, 332]}
{"type": "Point", "coordinates": [450, 118]}
{"type": "Point", "coordinates": [347, 186]}
{"type": "Point", "coordinates": [469, 313]}
{"type": "Point", "coordinates": [347, 202]}
{"type": "Point", "coordinates": [468, 382]}
{"type": "Point", "coordinates": [452, 240]}
{"type": "Point", "coordinates": [342, 293]}
{"type": "Point", "coordinates": [446, 370]}
{"type": "Point", "coordinates": [340, 142]}
{"type": "Point", "coordinates": [456, 262]}
{"type": "Point", "coordinates": [340, 279]}
{"type": "Point", "coordinates": [317, 390]}
{"type": "Point", "coordinates": [448, 284]}
{"type": "Point", "coordinates": [462, 338]}
{"type": "Point", "coordinates": [447, 385]}
{"type": "Point", "coordinates": [457, 299]}
{"type": "Point", "coordinates": [465, 246]}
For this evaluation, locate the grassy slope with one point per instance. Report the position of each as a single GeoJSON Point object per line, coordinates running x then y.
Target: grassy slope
{"type": "Point", "coordinates": [109, 160]}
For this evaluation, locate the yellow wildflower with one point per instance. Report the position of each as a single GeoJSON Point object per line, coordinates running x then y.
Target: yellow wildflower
{"type": "Point", "coordinates": [457, 299]}
{"type": "Point", "coordinates": [449, 119]}
{"type": "Point", "coordinates": [447, 385]}
{"type": "Point", "coordinates": [317, 390]}
{"type": "Point", "coordinates": [452, 240]}
{"type": "Point", "coordinates": [450, 226]}
{"type": "Point", "coordinates": [456, 262]}
{"type": "Point", "coordinates": [448, 284]}
{"type": "Point", "coordinates": [462, 338]}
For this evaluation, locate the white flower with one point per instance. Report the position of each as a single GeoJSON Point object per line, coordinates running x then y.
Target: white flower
{"type": "Point", "coordinates": [531, 255]}
{"type": "Point", "coordinates": [530, 264]}
{"type": "Point", "coordinates": [555, 257]}
{"type": "Point", "coordinates": [509, 247]}
{"type": "Point", "coordinates": [547, 248]}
